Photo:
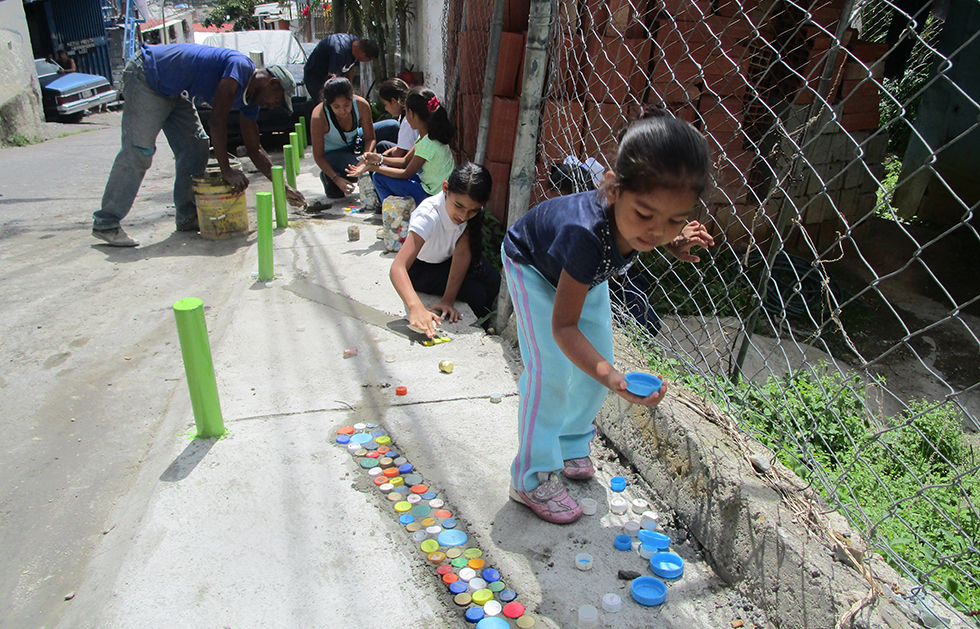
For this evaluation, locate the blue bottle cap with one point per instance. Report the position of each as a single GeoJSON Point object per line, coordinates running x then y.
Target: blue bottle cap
{"type": "Point", "coordinates": [391, 454]}
{"type": "Point", "coordinates": [401, 490]}
{"type": "Point", "coordinates": [490, 575]}
{"type": "Point", "coordinates": [493, 622]}
{"type": "Point", "coordinates": [429, 495]}
{"type": "Point", "coordinates": [667, 565]}
{"type": "Point", "coordinates": [449, 523]}
{"type": "Point", "coordinates": [343, 439]}
{"type": "Point", "coordinates": [406, 518]}
{"type": "Point", "coordinates": [507, 595]}
{"type": "Point", "coordinates": [624, 542]}
{"type": "Point", "coordinates": [411, 479]}
{"type": "Point", "coordinates": [648, 591]}
{"type": "Point", "coordinates": [371, 445]}
{"type": "Point", "coordinates": [405, 468]}
{"type": "Point", "coordinates": [370, 426]}
{"type": "Point", "coordinates": [458, 587]}
{"type": "Point", "coordinates": [617, 483]}
{"type": "Point", "coordinates": [361, 437]}
{"type": "Point", "coordinates": [421, 511]}
{"type": "Point", "coordinates": [474, 614]}
{"type": "Point", "coordinates": [378, 433]}
{"type": "Point", "coordinates": [452, 537]}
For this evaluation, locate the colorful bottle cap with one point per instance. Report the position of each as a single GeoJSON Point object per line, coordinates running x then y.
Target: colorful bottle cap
{"type": "Point", "coordinates": [397, 481]}
{"type": "Point", "coordinates": [391, 472]}
{"type": "Point", "coordinates": [655, 539]}
{"type": "Point", "coordinates": [583, 561]}
{"type": "Point", "coordinates": [444, 569]}
{"type": "Point", "coordinates": [401, 390]}
{"type": "Point", "coordinates": [650, 520]}
{"type": "Point", "coordinates": [419, 489]}
{"type": "Point", "coordinates": [639, 505]}
{"type": "Point", "coordinates": [405, 469]}
{"type": "Point", "coordinates": [375, 474]}
{"type": "Point", "coordinates": [413, 498]}
{"type": "Point", "coordinates": [471, 553]}
{"type": "Point", "coordinates": [378, 433]}
{"type": "Point", "coordinates": [429, 546]}
{"type": "Point", "coordinates": [449, 523]}
{"type": "Point", "coordinates": [360, 451]}
{"type": "Point", "coordinates": [647, 551]}
{"type": "Point", "coordinates": [481, 596]}
{"type": "Point", "coordinates": [457, 586]}
{"type": "Point", "coordinates": [667, 565]}
{"type": "Point", "coordinates": [495, 398]}
{"type": "Point", "coordinates": [525, 622]}
{"type": "Point", "coordinates": [406, 519]}
{"type": "Point", "coordinates": [490, 575]}
{"type": "Point", "coordinates": [437, 557]}
{"type": "Point", "coordinates": [589, 506]}
{"type": "Point", "coordinates": [418, 536]}
{"type": "Point", "coordinates": [623, 542]}
{"type": "Point", "coordinates": [611, 603]}
{"type": "Point", "coordinates": [492, 607]}
{"type": "Point", "coordinates": [442, 513]}
{"type": "Point", "coordinates": [490, 622]}
{"type": "Point", "coordinates": [399, 460]}
{"type": "Point", "coordinates": [420, 511]}
{"type": "Point", "coordinates": [401, 490]}
{"type": "Point", "coordinates": [343, 439]}
{"type": "Point", "coordinates": [453, 553]}
{"type": "Point", "coordinates": [385, 461]}
{"type": "Point", "coordinates": [427, 522]}
{"type": "Point", "coordinates": [361, 437]}
{"type": "Point", "coordinates": [459, 562]}
{"type": "Point", "coordinates": [507, 595]}
{"type": "Point", "coordinates": [411, 527]}
{"type": "Point", "coordinates": [385, 486]}
{"type": "Point", "coordinates": [394, 496]}
{"type": "Point", "coordinates": [618, 505]}
{"type": "Point", "coordinates": [588, 616]}
{"type": "Point", "coordinates": [403, 506]}
{"type": "Point", "coordinates": [360, 426]}
{"type": "Point", "coordinates": [371, 445]}
{"type": "Point", "coordinates": [429, 495]}
{"type": "Point", "coordinates": [373, 455]}
{"type": "Point", "coordinates": [346, 430]}
{"type": "Point", "coordinates": [371, 426]}
{"type": "Point", "coordinates": [496, 586]}
{"type": "Point", "coordinates": [463, 599]}
{"type": "Point", "coordinates": [384, 449]}
{"type": "Point", "coordinates": [367, 463]}
{"type": "Point", "coordinates": [513, 609]}
{"type": "Point", "coordinates": [393, 455]}
{"type": "Point", "coordinates": [632, 528]}
{"type": "Point", "coordinates": [477, 563]}
{"type": "Point", "coordinates": [648, 591]}
{"type": "Point", "coordinates": [642, 384]}
{"type": "Point", "coordinates": [353, 447]}
{"type": "Point", "coordinates": [476, 583]}
{"type": "Point", "coordinates": [617, 483]}
{"type": "Point", "coordinates": [434, 530]}
{"type": "Point", "coordinates": [474, 614]}
{"type": "Point", "coordinates": [466, 574]}
{"type": "Point", "coordinates": [382, 440]}
{"type": "Point", "coordinates": [436, 503]}
{"type": "Point", "coordinates": [453, 537]}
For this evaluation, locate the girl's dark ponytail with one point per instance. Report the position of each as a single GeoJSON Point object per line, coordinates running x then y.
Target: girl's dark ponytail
{"type": "Point", "coordinates": [427, 106]}
{"type": "Point", "coordinates": [475, 182]}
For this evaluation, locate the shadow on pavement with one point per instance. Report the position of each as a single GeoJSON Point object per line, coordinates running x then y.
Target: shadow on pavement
{"type": "Point", "coordinates": [185, 463]}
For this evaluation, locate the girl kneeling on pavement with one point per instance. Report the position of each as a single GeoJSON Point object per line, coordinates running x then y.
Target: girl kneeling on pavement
{"type": "Point", "coordinates": [443, 253]}
{"type": "Point", "coordinates": [558, 259]}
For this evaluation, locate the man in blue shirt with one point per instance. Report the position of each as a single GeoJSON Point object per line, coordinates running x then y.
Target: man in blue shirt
{"type": "Point", "coordinates": [161, 86]}
{"type": "Point", "coordinates": [336, 55]}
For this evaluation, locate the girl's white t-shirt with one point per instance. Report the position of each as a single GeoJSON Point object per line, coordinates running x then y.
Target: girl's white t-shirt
{"type": "Point", "coordinates": [431, 221]}
{"type": "Point", "coordinates": [406, 135]}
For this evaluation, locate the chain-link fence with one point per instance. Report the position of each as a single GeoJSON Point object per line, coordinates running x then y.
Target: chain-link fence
{"type": "Point", "coordinates": [837, 317]}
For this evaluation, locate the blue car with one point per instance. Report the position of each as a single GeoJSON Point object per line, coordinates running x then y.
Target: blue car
{"type": "Point", "coordinates": [67, 96]}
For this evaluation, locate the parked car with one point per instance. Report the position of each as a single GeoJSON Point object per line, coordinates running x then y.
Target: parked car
{"type": "Point", "coordinates": [278, 48]}
{"type": "Point", "coordinates": [67, 96]}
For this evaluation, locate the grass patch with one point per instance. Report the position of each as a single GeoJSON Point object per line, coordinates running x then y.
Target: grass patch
{"type": "Point", "coordinates": [19, 139]}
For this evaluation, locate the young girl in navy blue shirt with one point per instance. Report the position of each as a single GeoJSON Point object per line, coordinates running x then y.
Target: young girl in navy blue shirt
{"type": "Point", "coordinates": [558, 259]}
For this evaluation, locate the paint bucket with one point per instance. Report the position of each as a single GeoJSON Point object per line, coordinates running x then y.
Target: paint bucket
{"type": "Point", "coordinates": [221, 212]}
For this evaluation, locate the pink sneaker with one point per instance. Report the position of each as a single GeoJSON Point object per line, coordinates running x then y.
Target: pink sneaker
{"type": "Point", "coordinates": [579, 469]}
{"type": "Point", "coordinates": [549, 500]}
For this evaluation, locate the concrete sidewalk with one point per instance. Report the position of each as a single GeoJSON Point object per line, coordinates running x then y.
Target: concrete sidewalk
{"type": "Point", "coordinates": [276, 525]}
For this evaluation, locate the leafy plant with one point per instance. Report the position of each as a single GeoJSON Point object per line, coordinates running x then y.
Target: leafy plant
{"type": "Point", "coordinates": [493, 237]}
{"type": "Point", "coordinates": [238, 12]}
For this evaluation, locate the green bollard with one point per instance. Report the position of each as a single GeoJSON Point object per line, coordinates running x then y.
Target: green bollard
{"type": "Point", "coordinates": [287, 156]}
{"type": "Point", "coordinates": [302, 139]}
{"type": "Point", "coordinates": [192, 331]}
{"type": "Point", "coordinates": [303, 136]}
{"type": "Point", "coordinates": [263, 216]}
{"type": "Point", "coordinates": [294, 141]}
{"type": "Point", "coordinates": [279, 196]}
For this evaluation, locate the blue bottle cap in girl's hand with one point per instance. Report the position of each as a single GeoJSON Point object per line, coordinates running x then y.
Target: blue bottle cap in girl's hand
{"type": "Point", "coordinates": [642, 384]}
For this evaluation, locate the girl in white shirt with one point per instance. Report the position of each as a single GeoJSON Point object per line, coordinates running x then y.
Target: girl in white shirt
{"type": "Point", "coordinates": [436, 258]}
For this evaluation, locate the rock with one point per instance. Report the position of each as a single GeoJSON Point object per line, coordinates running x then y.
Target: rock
{"type": "Point", "coordinates": [628, 575]}
{"type": "Point", "coordinates": [69, 596]}
{"type": "Point", "coordinates": [761, 462]}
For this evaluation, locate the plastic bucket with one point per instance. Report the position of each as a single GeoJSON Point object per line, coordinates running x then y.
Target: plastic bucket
{"type": "Point", "coordinates": [221, 213]}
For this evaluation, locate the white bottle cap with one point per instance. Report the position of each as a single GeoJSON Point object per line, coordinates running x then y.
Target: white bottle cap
{"type": "Point", "coordinates": [588, 616]}
{"type": "Point", "coordinates": [353, 447]}
{"type": "Point", "coordinates": [374, 471]}
{"type": "Point", "coordinates": [588, 505]}
{"type": "Point", "coordinates": [650, 520]}
{"type": "Point", "coordinates": [413, 498]}
{"type": "Point", "coordinates": [433, 531]}
{"type": "Point", "coordinates": [360, 426]}
{"type": "Point", "coordinates": [476, 583]}
{"type": "Point", "coordinates": [611, 603]}
{"type": "Point", "coordinates": [647, 551]}
{"type": "Point", "coordinates": [418, 536]}
{"type": "Point", "coordinates": [618, 505]}
{"type": "Point", "coordinates": [436, 503]}
{"type": "Point", "coordinates": [386, 487]}
{"type": "Point", "coordinates": [640, 505]}
{"type": "Point", "coordinates": [466, 574]}
{"type": "Point", "coordinates": [583, 561]}
{"type": "Point", "coordinates": [631, 528]}
{"type": "Point", "coordinates": [492, 607]}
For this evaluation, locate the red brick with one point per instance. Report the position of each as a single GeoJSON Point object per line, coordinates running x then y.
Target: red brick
{"type": "Point", "coordinates": [509, 64]}
{"type": "Point", "coordinates": [595, 16]}
{"type": "Point", "coordinates": [469, 117]}
{"type": "Point", "coordinates": [472, 61]}
{"type": "Point", "coordinates": [503, 129]}
{"type": "Point", "coordinates": [687, 9]}
{"type": "Point", "coordinates": [500, 175]}
{"type": "Point", "coordinates": [515, 16]}
{"type": "Point", "coordinates": [859, 96]}
{"type": "Point", "coordinates": [561, 131]}
{"type": "Point", "coordinates": [478, 16]}
{"type": "Point", "coordinates": [861, 121]}
{"type": "Point", "coordinates": [619, 68]}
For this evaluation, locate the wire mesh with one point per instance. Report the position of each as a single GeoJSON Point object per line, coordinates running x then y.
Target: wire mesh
{"type": "Point", "coordinates": [837, 317]}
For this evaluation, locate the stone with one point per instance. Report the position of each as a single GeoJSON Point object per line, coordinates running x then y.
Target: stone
{"type": "Point", "coordinates": [761, 463]}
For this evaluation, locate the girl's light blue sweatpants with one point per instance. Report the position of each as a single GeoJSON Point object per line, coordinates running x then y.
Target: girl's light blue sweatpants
{"type": "Point", "coordinates": [558, 400]}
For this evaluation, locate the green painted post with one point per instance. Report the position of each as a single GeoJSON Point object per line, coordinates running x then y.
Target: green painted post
{"type": "Point", "coordinates": [279, 196]}
{"type": "Point", "coordinates": [294, 141]}
{"type": "Point", "coordinates": [287, 156]}
{"type": "Point", "coordinates": [302, 139]}
{"type": "Point", "coordinates": [302, 122]}
{"type": "Point", "coordinates": [263, 216]}
{"type": "Point", "coordinates": [192, 331]}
